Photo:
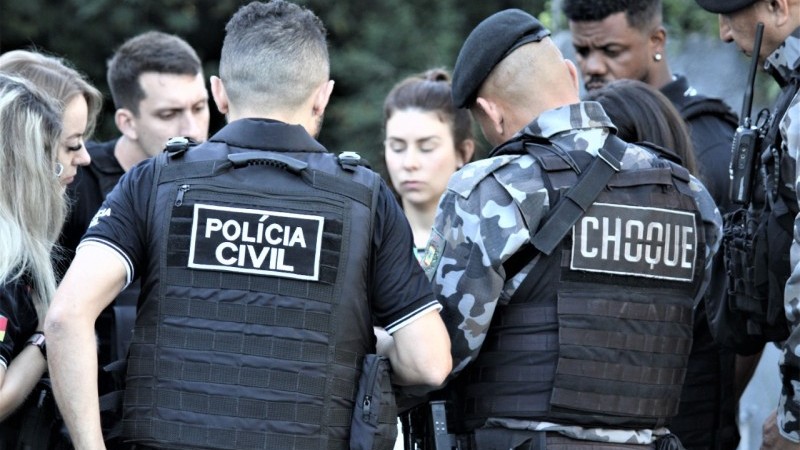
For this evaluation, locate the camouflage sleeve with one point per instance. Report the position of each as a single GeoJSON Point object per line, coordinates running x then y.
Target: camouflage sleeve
{"type": "Point", "coordinates": [789, 405]}
{"type": "Point", "coordinates": [712, 225]}
{"type": "Point", "coordinates": [478, 232]}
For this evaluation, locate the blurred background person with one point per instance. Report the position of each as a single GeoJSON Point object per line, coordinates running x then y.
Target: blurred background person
{"type": "Point", "coordinates": [427, 140]}
{"type": "Point", "coordinates": [32, 211]}
{"type": "Point", "coordinates": [643, 114]}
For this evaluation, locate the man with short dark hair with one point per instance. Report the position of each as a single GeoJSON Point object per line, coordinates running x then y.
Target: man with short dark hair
{"type": "Point", "coordinates": [264, 260]}
{"type": "Point", "coordinates": [157, 84]}
{"type": "Point", "coordinates": [625, 39]}
{"type": "Point", "coordinates": [779, 55]}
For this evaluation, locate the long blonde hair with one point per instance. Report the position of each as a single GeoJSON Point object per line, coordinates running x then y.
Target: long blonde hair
{"type": "Point", "coordinates": [32, 201]}
{"type": "Point", "coordinates": [56, 78]}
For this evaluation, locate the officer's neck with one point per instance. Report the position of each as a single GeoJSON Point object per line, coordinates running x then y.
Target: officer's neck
{"type": "Point", "coordinates": [304, 119]}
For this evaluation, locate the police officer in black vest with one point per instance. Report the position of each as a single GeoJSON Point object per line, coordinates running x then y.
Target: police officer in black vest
{"type": "Point", "coordinates": [263, 260]}
{"type": "Point", "coordinates": [568, 262]}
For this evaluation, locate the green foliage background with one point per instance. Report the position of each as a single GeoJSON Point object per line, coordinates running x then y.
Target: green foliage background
{"type": "Point", "coordinates": [374, 43]}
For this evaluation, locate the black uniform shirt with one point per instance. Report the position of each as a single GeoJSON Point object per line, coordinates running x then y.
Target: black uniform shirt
{"type": "Point", "coordinates": [86, 194]}
{"type": "Point", "coordinates": [400, 290]}
{"type": "Point", "coordinates": [712, 137]}
{"type": "Point", "coordinates": [18, 319]}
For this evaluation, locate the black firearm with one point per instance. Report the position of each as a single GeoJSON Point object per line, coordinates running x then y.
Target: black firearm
{"type": "Point", "coordinates": [747, 140]}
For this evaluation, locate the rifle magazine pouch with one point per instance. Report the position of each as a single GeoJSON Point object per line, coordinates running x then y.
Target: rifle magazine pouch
{"type": "Point", "coordinates": [374, 424]}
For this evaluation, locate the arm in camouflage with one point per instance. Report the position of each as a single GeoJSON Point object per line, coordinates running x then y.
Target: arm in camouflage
{"type": "Point", "coordinates": [479, 232]}
{"type": "Point", "coordinates": [789, 405]}
{"type": "Point", "coordinates": [712, 225]}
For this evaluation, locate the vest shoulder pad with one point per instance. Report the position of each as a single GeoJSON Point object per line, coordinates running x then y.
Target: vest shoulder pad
{"type": "Point", "coordinates": [350, 160]}
{"type": "Point", "coordinates": [464, 181]}
{"type": "Point", "coordinates": [177, 146]}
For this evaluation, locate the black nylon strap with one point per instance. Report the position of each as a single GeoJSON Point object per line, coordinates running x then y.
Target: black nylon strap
{"type": "Point", "coordinates": [577, 200]}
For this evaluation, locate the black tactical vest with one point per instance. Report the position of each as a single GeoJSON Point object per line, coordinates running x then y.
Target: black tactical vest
{"type": "Point", "coordinates": [253, 335]}
{"type": "Point", "coordinates": [603, 337]}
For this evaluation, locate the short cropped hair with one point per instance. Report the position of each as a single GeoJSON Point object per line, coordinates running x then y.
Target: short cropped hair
{"type": "Point", "coordinates": [152, 51]}
{"type": "Point", "coordinates": [274, 55]}
{"type": "Point", "coordinates": [640, 13]}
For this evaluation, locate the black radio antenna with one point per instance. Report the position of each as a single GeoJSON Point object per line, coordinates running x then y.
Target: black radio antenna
{"type": "Point", "coordinates": [747, 102]}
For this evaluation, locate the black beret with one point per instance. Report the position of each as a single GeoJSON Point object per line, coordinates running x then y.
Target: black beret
{"type": "Point", "coordinates": [724, 6]}
{"type": "Point", "coordinates": [490, 42]}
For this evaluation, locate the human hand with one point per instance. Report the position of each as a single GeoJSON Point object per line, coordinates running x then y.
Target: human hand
{"type": "Point", "coordinates": [772, 437]}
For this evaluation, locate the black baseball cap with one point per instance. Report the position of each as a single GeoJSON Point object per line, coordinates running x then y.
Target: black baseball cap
{"type": "Point", "coordinates": [724, 6]}
{"type": "Point", "coordinates": [491, 41]}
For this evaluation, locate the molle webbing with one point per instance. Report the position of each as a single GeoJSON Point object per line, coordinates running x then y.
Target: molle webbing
{"type": "Point", "coordinates": [203, 437]}
{"type": "Point", "coordinates": [246, 358]}
{"type": "Point", "coordinates": [590, 352]}
{"type": "Point", "coordinates": [600, 347]}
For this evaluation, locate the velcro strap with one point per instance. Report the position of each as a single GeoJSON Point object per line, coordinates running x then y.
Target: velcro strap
{"type": "Point", "coordinates": [577, 200]}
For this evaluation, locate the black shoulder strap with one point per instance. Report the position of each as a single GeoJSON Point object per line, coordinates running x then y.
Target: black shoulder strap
{"type": "Point", "coordinates": [579, 198]}
{"type": "Point", "coordinates": [700, 106]}
{"type": "Point", "coordinates": [571, 206]}
{"type": "Point", "coordinates": [772, 136]}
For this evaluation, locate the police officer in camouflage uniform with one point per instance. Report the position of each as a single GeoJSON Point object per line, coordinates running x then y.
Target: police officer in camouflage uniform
{"type": "Point", "coordinates": [578, 339]}
{"type": "Point", "coordinates": [780, 57]}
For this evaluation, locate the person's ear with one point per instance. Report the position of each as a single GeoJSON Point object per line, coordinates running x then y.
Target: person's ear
{"type": "Point", "coordinates": [322, 97]}
{"type": "Point", "coordinates": [781, 12]}
{"type": "Point", "coordinates": [126, 123]}
{"type": "Point", "coordinates": [573, 74]}
{"type": "Point", "coordinates": [219, 94]}
{"type": "Point", "coordinates": [493, 111]}
{"type": "Point", "coordinates": [658, 42]}
{"type": "Point", "coordinates": [464, 152]}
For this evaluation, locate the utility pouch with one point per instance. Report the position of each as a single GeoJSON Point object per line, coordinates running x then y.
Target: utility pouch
{"type": "Point", "coordinates": [756, 257]}
{"type": "Point", "coordinates": [41, 425]}
{"type": "Point", "coordinates": [374, 424]}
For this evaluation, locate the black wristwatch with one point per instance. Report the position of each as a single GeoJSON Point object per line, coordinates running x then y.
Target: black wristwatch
{"type": "Point", "coordinates": [38, 340]}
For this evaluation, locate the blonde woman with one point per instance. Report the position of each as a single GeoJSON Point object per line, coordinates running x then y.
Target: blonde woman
{"type": "Point", "coordinates": [32, 210]}
{"type": "Point", "coordinates": [78, 100]}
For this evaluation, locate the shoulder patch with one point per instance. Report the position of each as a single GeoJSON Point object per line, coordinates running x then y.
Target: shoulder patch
{"type": "Point", "coordinates": [433, 253]}
{"type": "Point", "coordinates": [3, 325]}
